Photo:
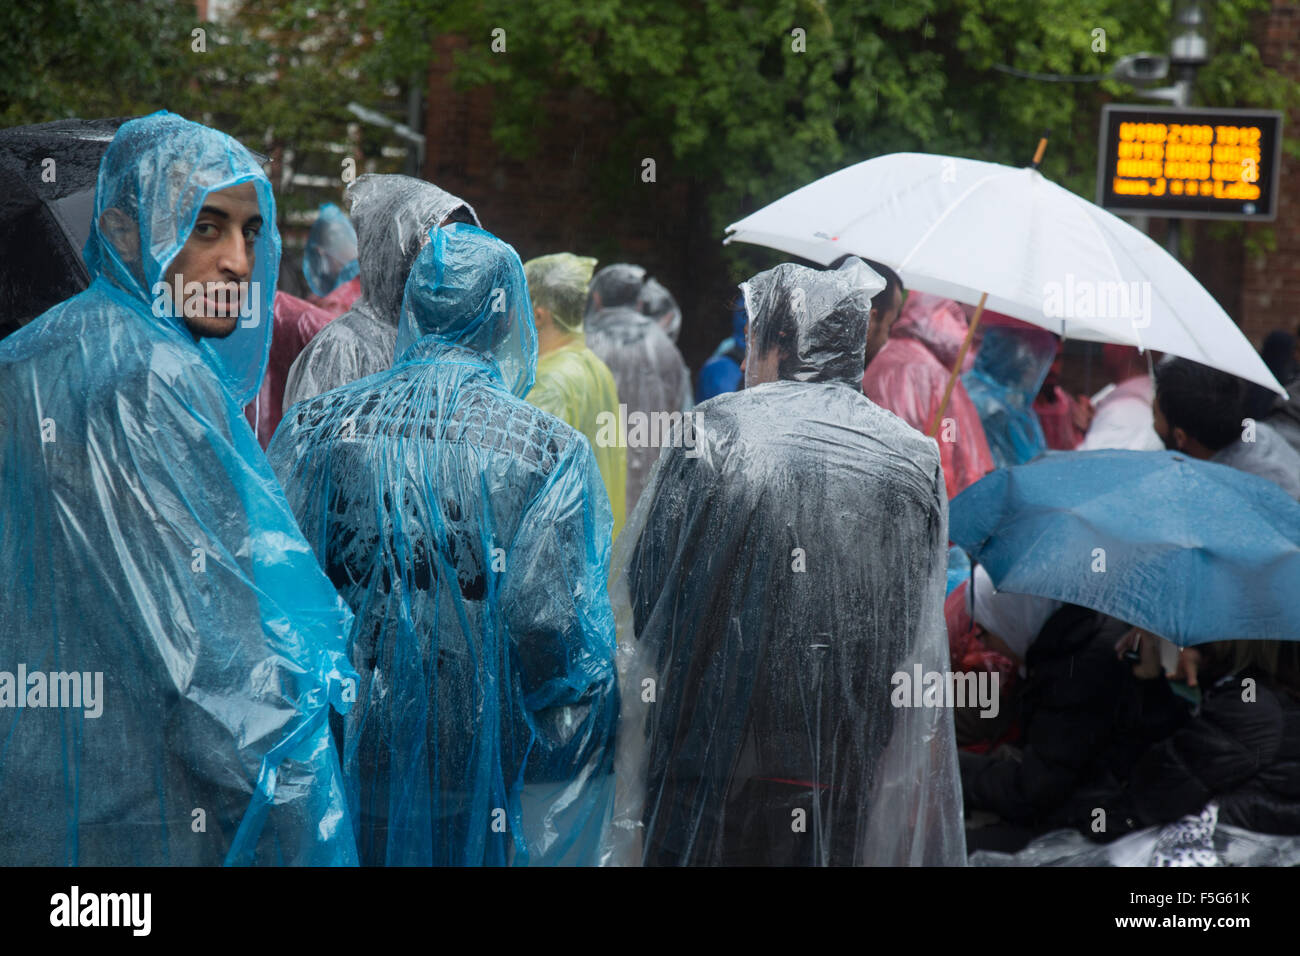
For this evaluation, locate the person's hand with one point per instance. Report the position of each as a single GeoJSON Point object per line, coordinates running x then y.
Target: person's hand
{"type": "Point", "coordinates": [1081, 412]}
{"type": "Point", "coordinates": [1189, 662]}
{"type": "Point", "coordinates": [1148, 665]}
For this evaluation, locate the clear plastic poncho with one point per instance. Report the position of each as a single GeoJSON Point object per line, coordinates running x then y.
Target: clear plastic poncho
{"type": "Point", "coordinates": [649, 371]}
{"type": "Point", "coordinates": [786, 561]}
{"type": "Point", "coordinates": [468, 531]}
{"type": "Point", "coordinates": [330, 257]}
{"type": "Point", "coordinates": [658, 303]}
{"type": "Point", "coordinates": [146, 545]}
{"type": "Point", "coordinates": [1003, 383]}
{"type": "Point", "coordinates": [572, 383]}
{"type": "Point", "coordinates": [393, 215]}
{"type": "Point", "coordinates": [910, 375]}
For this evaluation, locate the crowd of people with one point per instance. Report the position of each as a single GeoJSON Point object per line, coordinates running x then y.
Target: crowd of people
{"type": "Point", "coordinates": [367, 577]}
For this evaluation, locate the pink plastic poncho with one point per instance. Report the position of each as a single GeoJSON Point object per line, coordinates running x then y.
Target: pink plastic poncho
{"type": "Point", "coordinates": [909, 375]}
{"type": "Point", "coordinates": [296, 323]}
{"type": "Point", "coordinates": [340, 300]}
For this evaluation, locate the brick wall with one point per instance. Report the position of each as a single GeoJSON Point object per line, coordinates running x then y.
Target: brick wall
{"type": "Point", "coordinates": [541, 204]}
{"type": "Point", "coordinates": [1270, 287]}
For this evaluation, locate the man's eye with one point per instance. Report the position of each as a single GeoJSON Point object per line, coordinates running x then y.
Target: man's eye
{"type": "Point", "coordinates": [206, 229]}
{"type": "Point", "coordinates": [252, 233]}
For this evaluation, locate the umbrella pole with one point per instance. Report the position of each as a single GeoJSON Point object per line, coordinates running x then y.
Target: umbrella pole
{"type": "Point", "coordinates": [956, 367]}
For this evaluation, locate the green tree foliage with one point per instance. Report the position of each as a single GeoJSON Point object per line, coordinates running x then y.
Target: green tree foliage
{"type": "Point", "coordinates": [746, 101]}
{"type": "Point", "coordinates": [725, 92]}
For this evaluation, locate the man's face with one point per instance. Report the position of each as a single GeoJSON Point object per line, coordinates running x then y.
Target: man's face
{"type": "Point", "coordinates": [219, 255]}
{"type": "Point", "coordinates": [880, 324]}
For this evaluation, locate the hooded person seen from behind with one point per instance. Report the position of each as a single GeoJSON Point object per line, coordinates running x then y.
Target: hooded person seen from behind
{"type": "Point", "coordinates": [181, 644]}
{"type": "Point", "coordinates": [329, 260]}
{"type": "Point", "coordinates": [1013, 361]}
{"type": "Point", "coordinates": [782, 568]}
{"type": "Point", "coordinates": [909, 377]}
{"type": "Point", "coordinates": [572, 383]}
{"type": "Point", "coordinates": [469, 532]}
{"type": "Point", "coordinates": [392, 215]}
{"type": "Point", "coordinates": [651, 377]}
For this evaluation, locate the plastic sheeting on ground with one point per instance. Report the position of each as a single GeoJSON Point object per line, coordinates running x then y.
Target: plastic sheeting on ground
{"type": "Point", "coordinates": [392, 215]}
{"type": "Point", "coordinates": [153, 563]}
{"type": "Point", "coordinates": [765, 604]}
{"type": "Point", "coordinates": [467, 530]}
{"type": "Point", "coordinates": [909, 377]}
{"type": "Point", "coordinates": [1193, 841]}
{"type": "Point", "coordinates": [330, 257]}
{"type": "Point", "coordinates": [1007, 375]}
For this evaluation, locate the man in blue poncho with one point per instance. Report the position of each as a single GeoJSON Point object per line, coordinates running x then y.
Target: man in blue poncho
{"type": "Point", "coordinates": [329, 259]}
{"type": "Point", "coordinates": [169, 648]}
{"type": "Point", "coordinates": [470, 533]}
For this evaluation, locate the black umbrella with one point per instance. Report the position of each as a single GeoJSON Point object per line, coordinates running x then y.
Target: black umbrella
{"type": "Point", "coordinates": [44, 224]}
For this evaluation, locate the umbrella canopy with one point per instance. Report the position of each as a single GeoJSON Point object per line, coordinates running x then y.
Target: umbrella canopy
{"type": "Point", "coordinates": [960, 227]}
{"type": "Point", "coordinates": [1187, 549]}
{"type": "Point", "coordinates": [45, 212]}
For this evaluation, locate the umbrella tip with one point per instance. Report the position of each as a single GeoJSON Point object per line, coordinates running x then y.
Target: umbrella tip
{"type": "Point", "coordinates": [1042, 148]}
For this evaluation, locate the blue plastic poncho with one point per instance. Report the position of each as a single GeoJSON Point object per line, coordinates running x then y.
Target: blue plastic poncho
{"type": "Point", "coordinates": [469, 532]}
{"type": "Point", "coordinates": [148, 551]}
{"type": "Point", "coordinates": [1003, 383]}
{"type": "Point", "coordinates": [330, 257]}
{"type": "Point", "coordinates": [393, 216]}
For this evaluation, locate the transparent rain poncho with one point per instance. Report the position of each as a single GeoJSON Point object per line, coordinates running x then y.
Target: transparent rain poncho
{"type": "Point", "coordinates": [786, 561]}
{"type": "Point", "coordinates": [468, 531]}
{"type": "Point", "coordinates": [330, 257]}
{"type": "Point", "coordinates": [1003, 383]}
{"type": "Point", "coordinates": [651, 377]}
{"type": "Point", "coordinates": [572, 383]}
{"type": "Point", "coordinates": [146, 544]}
{"type": "Point", "coordinates": [910, 375]}
{"type": "Point", "coordinates": [393, 215]}
{"type": "Point", "coordinates": [658, 303]}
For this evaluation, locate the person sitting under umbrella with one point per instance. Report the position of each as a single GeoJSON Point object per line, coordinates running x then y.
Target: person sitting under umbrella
{"type": "Point", "coordinates": [1085, 716]}
{"type": "Point", "coordinates": [1241, 750]}
{"type": "Point", "coordinates": [1199, 410]}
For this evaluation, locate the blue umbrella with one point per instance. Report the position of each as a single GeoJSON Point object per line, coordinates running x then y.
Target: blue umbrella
{"type": "Point", "coordinates": [1186, 549]}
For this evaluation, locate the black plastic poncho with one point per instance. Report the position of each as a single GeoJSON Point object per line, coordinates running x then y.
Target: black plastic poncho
{"type": "Point", "coordinates": [469, 532]}
{"type": "Point", "coordinates": [769, 587]}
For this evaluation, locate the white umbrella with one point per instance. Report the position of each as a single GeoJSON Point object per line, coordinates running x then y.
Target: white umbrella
{"type": "Point", "coordinates": [961, 228]}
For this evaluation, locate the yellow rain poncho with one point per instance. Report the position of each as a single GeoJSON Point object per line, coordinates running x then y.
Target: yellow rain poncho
{"type": "Point", "coordinates": [573, 384]}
